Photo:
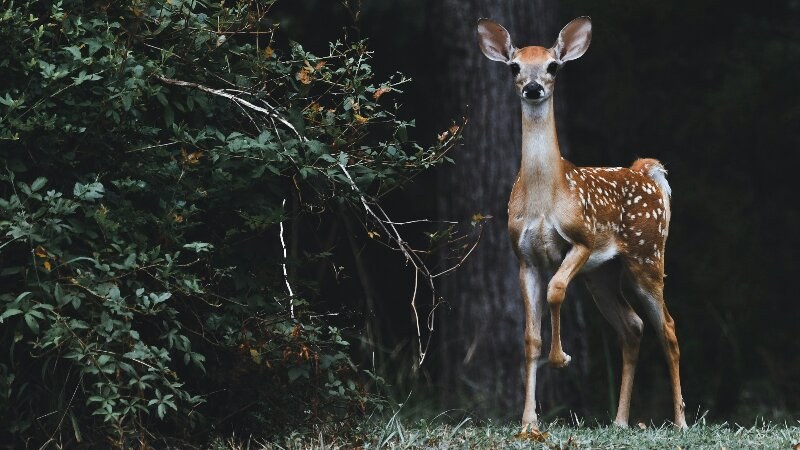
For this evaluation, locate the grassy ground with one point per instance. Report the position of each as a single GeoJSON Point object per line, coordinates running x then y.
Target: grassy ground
{"type": "Point", "coordinates": [394, 434]}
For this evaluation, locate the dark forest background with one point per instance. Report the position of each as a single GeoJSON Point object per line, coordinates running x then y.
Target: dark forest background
{"type": "Point", "coordinates": [709, 88]}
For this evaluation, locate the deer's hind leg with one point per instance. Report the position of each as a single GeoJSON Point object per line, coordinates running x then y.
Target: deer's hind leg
{"type": "Point", "coordinates": [604, 284]}
{"type": "Point", "coordinates": [648, 283]}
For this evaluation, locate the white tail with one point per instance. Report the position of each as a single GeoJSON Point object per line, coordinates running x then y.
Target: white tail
{"type": "Point", "coordinates": [608, 224]}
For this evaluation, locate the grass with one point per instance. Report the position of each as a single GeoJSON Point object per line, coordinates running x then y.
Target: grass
{"type": "Point", "coordinates": [396, 435]}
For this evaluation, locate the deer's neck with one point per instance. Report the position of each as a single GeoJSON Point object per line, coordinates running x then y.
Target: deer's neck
{"type": "Point", "coordinates": [541, 171]}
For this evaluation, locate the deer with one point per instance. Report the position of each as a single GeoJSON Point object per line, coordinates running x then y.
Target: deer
{"type": "Point", "coordinates": [608, 225]}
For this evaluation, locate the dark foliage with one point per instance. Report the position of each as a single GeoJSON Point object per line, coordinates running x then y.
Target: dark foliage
{"type": "Point", "coordinates": [157, 157]}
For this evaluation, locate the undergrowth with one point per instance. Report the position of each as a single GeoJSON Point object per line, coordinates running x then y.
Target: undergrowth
{"type": "Point", "coordinates": [395, 434]}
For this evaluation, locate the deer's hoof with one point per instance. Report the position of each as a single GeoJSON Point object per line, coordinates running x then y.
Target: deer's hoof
{"type": "Point", "coordinates": [560, 361]}
{"type": "Point", "coordinates": [532, 426]}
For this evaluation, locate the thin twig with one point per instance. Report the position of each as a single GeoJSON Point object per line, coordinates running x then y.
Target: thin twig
{"type": "Point", "coordinates": [461, 261]}
{"type": "Point", "coordinates": [285, 273]}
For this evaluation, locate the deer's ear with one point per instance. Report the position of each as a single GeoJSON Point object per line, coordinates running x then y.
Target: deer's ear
{"type": "Point", "coordinates": [574, 39]}
{"type": "Point", "coordinates": [494, 40]}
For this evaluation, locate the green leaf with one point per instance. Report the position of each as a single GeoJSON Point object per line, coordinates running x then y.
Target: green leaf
{"type": "Point", "coordinates": [9, 313]}
{"type": "Point", "coordinates": [74, 51]}
{"type": "Point", "coordinates": [297, 372]}
{"type": "Point", "coordinates": [199, 247]}
{"type": "Point", "coordinates": [90, 192]}
{"type": "Point", "coordinates": [32, 323]}
{"type": "Point", "coordinates": [169, 116]}
{"type": "Point", "coordinates": [58, 293]}
{"type": "Point", "coordinates": [38, 184]}
{"type": "Point", "coordinates": [21, 297]}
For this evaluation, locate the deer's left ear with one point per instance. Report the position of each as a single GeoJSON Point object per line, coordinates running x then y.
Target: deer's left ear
{"type": "Point", "coordinates": [574, 39]}
{"type": "Point", "coordinates": [494, 40]}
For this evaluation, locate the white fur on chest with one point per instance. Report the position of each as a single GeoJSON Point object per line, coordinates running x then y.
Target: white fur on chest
{"type": "Point", "coordinates": [540, 242]}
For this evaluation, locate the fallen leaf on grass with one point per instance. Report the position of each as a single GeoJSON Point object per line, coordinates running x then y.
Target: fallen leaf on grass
{"type": "Point", "coordinates": [533, 435]}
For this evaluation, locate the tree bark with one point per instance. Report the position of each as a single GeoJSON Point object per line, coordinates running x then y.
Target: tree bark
{"type": "Point", "coordinates": [480, 350]}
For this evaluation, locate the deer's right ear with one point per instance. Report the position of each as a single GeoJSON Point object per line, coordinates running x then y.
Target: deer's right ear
{"type": "Point", "coordinates": [494, 40]}
{"type": "Point", "coordinates": [574, 39]}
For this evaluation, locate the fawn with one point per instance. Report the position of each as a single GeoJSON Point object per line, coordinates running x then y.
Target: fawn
{"type": "Point", "coordinates": [609, 224]}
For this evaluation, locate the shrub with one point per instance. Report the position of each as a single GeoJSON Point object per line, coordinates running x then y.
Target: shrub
{"type": "Point", "coordinates": [154, 153]}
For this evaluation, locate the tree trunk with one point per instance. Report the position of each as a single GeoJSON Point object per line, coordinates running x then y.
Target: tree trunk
{"type": "Point", "coordinates": [481, 332]}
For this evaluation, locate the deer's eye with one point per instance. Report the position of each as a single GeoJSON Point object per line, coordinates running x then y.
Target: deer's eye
{"type": "Point", "coordinates": [514, 69]}
{"type": "Point", "coordinates": [552, 68]}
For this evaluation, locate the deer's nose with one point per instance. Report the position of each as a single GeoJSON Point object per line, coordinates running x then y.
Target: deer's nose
{"type": "Point", "coordinates": [533, 91]}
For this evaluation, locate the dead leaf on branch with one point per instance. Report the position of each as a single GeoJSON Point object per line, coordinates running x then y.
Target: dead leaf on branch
{"type": "Point", "coordinates": [478, 218]}
{"type": "Point", "coordinates": [40, 252]}
{"type": "Point", "coordinates": [315, 109]}
{"type": "Point", "coordinates": [304, 76]}
{"type": "Point", "coordinates": [380, 91]}
{"type": "Point", "coordinates": [191, 158]}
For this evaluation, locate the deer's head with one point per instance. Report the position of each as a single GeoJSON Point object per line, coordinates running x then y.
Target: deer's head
{"type": "Point", "coordinates": [535, 68]}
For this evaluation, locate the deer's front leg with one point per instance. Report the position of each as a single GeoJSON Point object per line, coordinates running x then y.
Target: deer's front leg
{"type": "Point", "coordinates": [556, 290]}
{"type": "Point", "coordinates": [531, 282]}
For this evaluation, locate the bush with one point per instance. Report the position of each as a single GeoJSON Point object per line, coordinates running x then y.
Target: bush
{"type": "Point", "coordinates": [154, 153]}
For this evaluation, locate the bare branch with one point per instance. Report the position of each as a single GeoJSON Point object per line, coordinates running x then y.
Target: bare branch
{"type": "Point", "coordinates": [271, 112]}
